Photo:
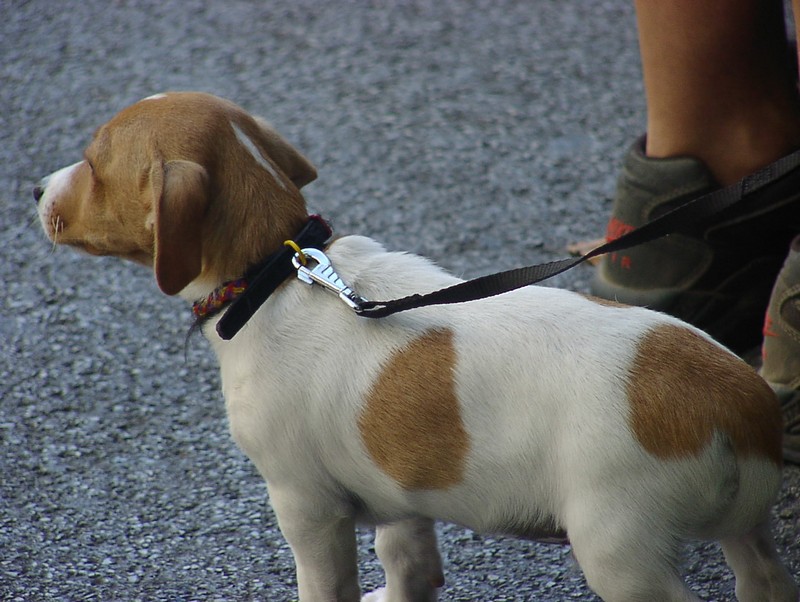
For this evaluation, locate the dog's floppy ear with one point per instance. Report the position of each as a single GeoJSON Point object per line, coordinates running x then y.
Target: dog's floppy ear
{"type": "Point", "coordinates": [180, 191]}
{"type": "Point", "coordinates": [289, 159]}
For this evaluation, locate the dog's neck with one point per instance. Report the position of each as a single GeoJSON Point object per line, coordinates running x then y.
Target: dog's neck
{"type": "Point", "coordinates": [243, 296]}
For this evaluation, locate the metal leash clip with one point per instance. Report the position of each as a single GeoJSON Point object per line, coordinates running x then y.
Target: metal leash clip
{"type": "Point", "coordinates": [324, 274]}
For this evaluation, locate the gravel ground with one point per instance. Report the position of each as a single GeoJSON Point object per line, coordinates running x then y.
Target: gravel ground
{"type": "Point", "coordinates": [482, 133]}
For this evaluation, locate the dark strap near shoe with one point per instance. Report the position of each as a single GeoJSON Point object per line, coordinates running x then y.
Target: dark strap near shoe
{"type": "Point", "coordinates": [683, 218]}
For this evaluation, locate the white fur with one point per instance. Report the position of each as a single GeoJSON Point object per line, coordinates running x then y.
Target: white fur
{"type": "Point", "coordinates": [54, 186]}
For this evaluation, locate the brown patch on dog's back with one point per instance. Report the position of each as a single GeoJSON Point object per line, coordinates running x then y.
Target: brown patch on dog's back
{"type": "Point", "coordinates": [682, 388]}
{"type": "Point", "coordinates": [411, 424]}
{"type": "Point", "coordinates": [605, 302]}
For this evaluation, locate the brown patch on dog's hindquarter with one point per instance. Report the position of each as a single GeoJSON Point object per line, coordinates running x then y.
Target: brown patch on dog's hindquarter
{"type": "Point", "coordinates": [682, 388]}
{"type": "Point", "coordinates": [411, 424]}
{"type": "Point", "coordinates": [604, 302]}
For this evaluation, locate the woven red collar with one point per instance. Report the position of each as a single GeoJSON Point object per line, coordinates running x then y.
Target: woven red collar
{"type": "Point", "coordinates": [230, 291]}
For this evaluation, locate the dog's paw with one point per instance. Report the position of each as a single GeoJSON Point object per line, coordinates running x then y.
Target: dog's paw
{"type": "Point", "coordinates": [379, 595]}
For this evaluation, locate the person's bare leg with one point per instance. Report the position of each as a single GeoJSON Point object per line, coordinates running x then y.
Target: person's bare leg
{"type": "Point", "coordinates": [718, 83]}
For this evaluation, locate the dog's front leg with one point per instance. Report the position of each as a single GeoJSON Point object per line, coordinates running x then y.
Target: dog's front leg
{"type": "Point", "coordinates": [321, 533]}
{"type": "Point", "coordinates": [410, 558]}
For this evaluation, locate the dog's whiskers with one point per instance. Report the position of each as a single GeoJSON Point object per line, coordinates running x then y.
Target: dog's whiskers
{"type": "Point", "coordinates": [57, 224]}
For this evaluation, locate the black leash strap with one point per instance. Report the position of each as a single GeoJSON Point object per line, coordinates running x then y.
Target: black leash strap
{"type": "Point", "coordinates": [687, 217]}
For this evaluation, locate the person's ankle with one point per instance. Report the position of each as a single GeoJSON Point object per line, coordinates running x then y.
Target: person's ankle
{"type": "Point", "coordinates": [731, 152]}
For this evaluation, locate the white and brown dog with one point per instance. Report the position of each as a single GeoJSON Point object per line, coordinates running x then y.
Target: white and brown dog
{"type": "Point", "coordinates": [539, 413]}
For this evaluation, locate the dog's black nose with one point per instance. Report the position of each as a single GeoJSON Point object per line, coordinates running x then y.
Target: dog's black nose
{"type": "Point", "coordinates": [38, 192]}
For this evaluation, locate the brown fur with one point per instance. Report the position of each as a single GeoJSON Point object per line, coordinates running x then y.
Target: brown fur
{"type": "Point", "coordinates": [604, 302]}
{"type": "Point", "coordinates": [411, 424]}
{"type": "Point", "coordinates": [150, 157]}
{"type": "Point", "coordinates": [675, 411]}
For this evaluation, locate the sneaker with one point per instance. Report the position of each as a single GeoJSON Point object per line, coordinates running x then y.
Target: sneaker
{"type": "Point", "coordinates": [781, 349]}
{"type": "Point", "coordinates": [716, 275]}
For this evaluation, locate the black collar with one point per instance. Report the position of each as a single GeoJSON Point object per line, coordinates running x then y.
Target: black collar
{"type": "Point", "coordinates": [245, 295]}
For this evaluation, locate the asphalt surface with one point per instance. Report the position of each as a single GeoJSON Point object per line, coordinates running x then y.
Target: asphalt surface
{"type": "Point", "coordinates": [484, 134]}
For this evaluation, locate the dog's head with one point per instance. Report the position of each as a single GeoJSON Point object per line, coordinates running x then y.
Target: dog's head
{"type": "Point", "coordinates": [185, 182]}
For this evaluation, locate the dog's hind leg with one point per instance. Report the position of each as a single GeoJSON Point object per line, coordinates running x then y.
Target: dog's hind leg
{"type": "Point", "coordinates": [410, 558]}
{"type": "Point", "coordinates": [760, 575]}
{"type": "Point", "coordinates": [626, 559]}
